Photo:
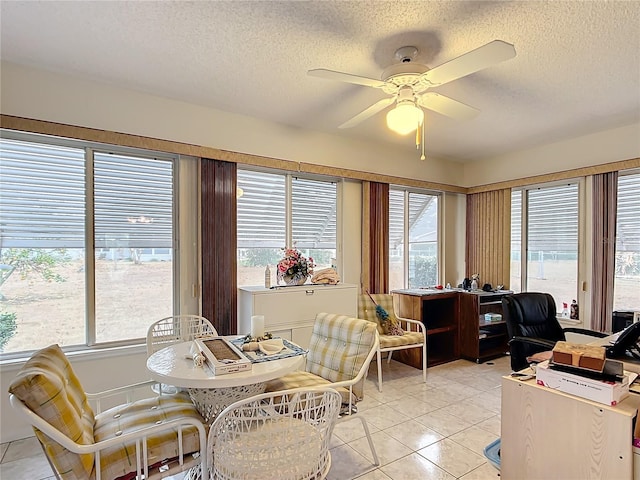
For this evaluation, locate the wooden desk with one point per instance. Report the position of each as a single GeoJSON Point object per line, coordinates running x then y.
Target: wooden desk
{"type": "Point", "coordinates": [439, 311]}
{"type": "Point", "coordinates": [551, 434]}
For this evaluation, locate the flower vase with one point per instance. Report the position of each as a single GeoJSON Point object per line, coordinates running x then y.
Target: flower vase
{"type": "Point", "coordinates": [295, 279]}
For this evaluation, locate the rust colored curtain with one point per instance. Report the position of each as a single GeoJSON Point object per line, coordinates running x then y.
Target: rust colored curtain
{"type": "Point", "coordinates": [489, 237]}
{"type": "Point", "coordinates": [605, 205]}
{"type": "Point", "coordinates": [219, 273]}
{"type": "Point", "coordinates": [375, 237]}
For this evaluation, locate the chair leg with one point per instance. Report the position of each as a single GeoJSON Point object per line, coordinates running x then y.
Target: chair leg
{"type": "Point", "coordinates": [376, 460]}
{"type": "Point", "coordinates": [424, 364]}
{"type": "Point", "coordinates": [379, 370]}
{"type": "Point", "coordinates": [389, 354]}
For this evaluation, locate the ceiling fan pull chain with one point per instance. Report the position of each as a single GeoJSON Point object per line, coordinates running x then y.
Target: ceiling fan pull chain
{"type": "Point", "coordinates": [422, 157]}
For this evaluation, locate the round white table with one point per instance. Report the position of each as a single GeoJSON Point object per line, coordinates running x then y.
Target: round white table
{"type": "Point", "coordinates": [213, 393]}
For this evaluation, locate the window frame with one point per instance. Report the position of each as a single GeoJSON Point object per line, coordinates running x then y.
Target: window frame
{"type": "Point", "coordinates": [407, 191]}
{"type": "Point", "coordinates": [582, 254]}
{"type": "Point", "coordinates": [289, 177]}
{"type": "Point", "coordinates": [90, 148]}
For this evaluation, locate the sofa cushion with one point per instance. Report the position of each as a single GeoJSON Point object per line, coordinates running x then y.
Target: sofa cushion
{"type": "Point", "coordinates": [120, 460]}
{"type": "Point", "coordinates": [49, 387]}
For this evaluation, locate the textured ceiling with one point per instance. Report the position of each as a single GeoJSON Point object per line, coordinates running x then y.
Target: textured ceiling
{"type": "Point", "coordinates": [577, 68]}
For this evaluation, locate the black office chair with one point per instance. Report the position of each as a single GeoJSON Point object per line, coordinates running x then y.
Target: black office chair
{"type": "Point", "coordinates": [533, 327]}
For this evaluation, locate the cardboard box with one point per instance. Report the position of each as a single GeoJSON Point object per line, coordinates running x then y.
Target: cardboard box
{"type": "Point", "coordinates": [579, 355]}
{"type": "Point", "coordinates": [223, 356]}
{"type": "Point", "coordinates": [492, 317]}
{"type": "Point", "coordinates": [601, 391]}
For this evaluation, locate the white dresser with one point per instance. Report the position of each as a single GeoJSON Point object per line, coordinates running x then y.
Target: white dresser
{"type": "Point", "coordinates": [289, 312]}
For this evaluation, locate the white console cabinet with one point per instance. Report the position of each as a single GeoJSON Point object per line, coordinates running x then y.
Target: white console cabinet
{"type": "Point", "coordinates": [289, 312]}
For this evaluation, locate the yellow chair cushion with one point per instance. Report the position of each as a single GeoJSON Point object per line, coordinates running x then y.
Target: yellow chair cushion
{"type": "Point", "coordinates": [49, 387]}
{"type": "Point", "coordinates": [304, 379]}
{"type": "Point", "coordinates": [121, 460]}
{"type": "Point", "coordinates": [409, 338]}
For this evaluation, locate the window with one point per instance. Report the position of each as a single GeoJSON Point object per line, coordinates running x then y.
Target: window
{"type": "Point", "coordinates": [61, 199]}
{"type": "Point", "coordinates": [267, 201]}
{"type": "Point", "coordinates": [413, 239]}
{"type": "Point", "coordinates": [627, 275]}
{"type": "Point", "coordinates": [545, 231]}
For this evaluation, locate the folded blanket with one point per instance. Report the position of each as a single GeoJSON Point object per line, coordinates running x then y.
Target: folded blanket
{"type": "Point", "coordinates": [327, 276]}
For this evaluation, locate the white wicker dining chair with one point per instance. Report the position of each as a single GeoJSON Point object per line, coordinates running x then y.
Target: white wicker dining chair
{"type": "Point", "coordinates": [283, 435]}
{"type": "Point", "coordinates": [170, 330]}
{"type": "Point", "coordinates": [175, 329]}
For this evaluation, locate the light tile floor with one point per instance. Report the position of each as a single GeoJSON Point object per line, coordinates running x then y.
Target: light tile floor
{"type": "Point", "coordinates": [436, 430]}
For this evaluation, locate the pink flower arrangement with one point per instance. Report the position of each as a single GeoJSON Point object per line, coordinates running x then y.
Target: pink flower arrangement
{"type": "Point", "coordinates": [295, 264]}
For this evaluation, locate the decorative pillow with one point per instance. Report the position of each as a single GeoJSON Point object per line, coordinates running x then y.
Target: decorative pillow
{"type": "Point", "coordinates": [49, 387]}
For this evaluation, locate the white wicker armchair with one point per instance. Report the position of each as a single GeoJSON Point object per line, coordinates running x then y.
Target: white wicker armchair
{"type": "Point", "coordinates": [283, 435]}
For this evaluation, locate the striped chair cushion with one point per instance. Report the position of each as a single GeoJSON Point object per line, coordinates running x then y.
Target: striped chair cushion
{"type": "Point", "coordinates": [339, 347]}
{"type": "Point", "coordinates": [409, 338]}
{"type": "Point", "coordinates": [304, 379]}
{"type": "Point", "coordinates": [120, 460]}
{"type": "Point", "coordinates": [49, 387]}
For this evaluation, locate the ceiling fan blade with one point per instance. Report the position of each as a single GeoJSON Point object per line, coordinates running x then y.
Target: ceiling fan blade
{"type": "Point", "coordinates": [478, 59]}
{"type": "Point", "coordinates": [346, 77]}
{"type": "Point", "coordinates": [368, 112]}
{"type": "Point", "coordinates": [447, 106]}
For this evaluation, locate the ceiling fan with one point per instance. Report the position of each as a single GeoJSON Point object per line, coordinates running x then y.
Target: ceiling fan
{"type": "Point", "coordinates": [408, 83]}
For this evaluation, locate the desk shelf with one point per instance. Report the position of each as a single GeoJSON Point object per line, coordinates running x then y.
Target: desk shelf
{"type": "Point", "coordinates": [439, 312]}
{"type": "Point", "coordinates": [481, 340]}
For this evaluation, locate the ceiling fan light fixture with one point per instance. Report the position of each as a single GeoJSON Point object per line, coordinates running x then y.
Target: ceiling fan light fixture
{"type": "Point", "coordinates": [405, 118]}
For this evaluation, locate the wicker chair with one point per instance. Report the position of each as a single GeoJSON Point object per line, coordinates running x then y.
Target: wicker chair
{"type": "Point", "coordinates": [154, 437]}
{"type": "Point", "coordinates": [414, 336]}
{"type": "Point", "coordinates": [340, 351]}
{"type": "Point", "coordinates": [180, 328]}
{"type": "Point", "coordinates": [176, 329]}
{"type": "Point", "coordinates": [283, 435]}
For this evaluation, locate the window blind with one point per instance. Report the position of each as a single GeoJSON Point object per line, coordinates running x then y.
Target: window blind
{"type": "Point", "coordinates": [42, 195]}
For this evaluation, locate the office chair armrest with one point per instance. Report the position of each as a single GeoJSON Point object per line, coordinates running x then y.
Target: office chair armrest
{"type": "Point", "coordinates": [584, 331]}
{"type": "Point", "coordinates": [540, 342]}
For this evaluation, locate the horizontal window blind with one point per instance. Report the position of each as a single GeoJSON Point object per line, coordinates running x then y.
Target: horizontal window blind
{"type": "Point", "coordinates": [133, 202]}
{"type": "Point", "coordinates": [628, 221]}
{"type": "Point", "coordinates": [314, 213]}
{"type": "Point", "coordinates": [423, 218]}
{"type": "Point", "coordinates": [261, 210]}
{"type": "Point", "coordinates": [553, 218]}
{"type": "Point", "coordinates": [42, 195]}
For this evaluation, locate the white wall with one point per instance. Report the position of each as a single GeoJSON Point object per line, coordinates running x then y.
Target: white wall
{"type": "Point", "coordinates": [37, 94]}
{"type": "Point", "coordinates": [612, 145]}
